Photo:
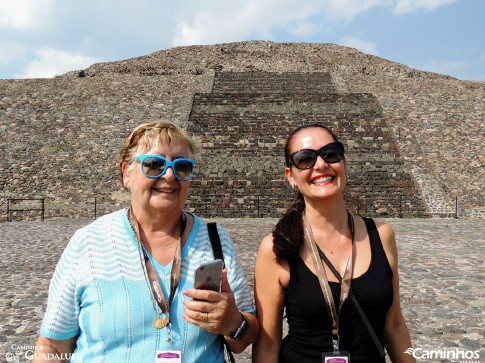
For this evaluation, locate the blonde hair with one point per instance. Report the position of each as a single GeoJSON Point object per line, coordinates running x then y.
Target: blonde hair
{"type": "Point", "coordinates": [143, 136]}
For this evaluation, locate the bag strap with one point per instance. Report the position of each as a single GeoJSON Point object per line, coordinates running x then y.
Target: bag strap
{"type": "Point", "coordinates": [217, 250]}
{"type": "Point", "coordinates": [354, 300]}
{"type": "Point", "coordinates": [215, 241]}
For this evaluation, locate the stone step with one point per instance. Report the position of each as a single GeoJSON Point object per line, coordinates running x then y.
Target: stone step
{"type": "Point", "coordinates": [286, 103]}
{"type": "Point", "coordinates": [242, 138]}
{"type": "Point", "coordinates": [273, 82]}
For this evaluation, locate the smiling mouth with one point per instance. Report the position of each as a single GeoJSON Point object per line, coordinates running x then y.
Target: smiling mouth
{"type": "Point", "coordinates": [323, 179]}
{"type": "Point", "coordinates": [165, 190]}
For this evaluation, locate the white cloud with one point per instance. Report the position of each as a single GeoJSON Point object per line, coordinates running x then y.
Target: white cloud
{"type": "Point", "coordinates": [349, 9]}
{"type": "Point", "coordinates": [362, 45]}
{"type": "Point", "coordinates": [409, 6]}
{"type": "Point", "coordinates": [53, 62]}
{"type": "Point", "coordinates": [231, 20]}
{"type": "Point", "coordinates": [24, 14]}
{"type": "Point", "coordinates": [120, 29]}
{"type": "Point", "coordinates": [237, 20]}
{"type": "Point", "coordinates": [199, 32]}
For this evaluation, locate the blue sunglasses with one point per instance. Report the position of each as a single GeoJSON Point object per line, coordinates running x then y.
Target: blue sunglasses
{"type": "Point", "coordinates": [154, 166]}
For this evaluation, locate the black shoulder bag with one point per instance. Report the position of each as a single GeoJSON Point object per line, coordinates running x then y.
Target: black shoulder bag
{"type": "Point", "coordinates": [217, 249]}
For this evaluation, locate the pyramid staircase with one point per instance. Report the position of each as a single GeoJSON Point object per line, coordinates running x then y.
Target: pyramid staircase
{"type": "Point", "coordinates": [242, 127]}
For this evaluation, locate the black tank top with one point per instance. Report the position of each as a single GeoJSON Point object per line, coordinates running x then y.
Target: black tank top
{"type": "Point", "coordinates": [309, 326]}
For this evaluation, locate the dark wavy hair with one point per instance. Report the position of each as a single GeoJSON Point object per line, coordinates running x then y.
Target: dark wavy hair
{"type": "Point", "coordinates": [288, 232]}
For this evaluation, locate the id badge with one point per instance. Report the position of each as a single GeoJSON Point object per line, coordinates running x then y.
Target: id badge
{"type": "Point", "coordinates": [340, 357]}
{"type": "Point", "coordinates": [168, 356]}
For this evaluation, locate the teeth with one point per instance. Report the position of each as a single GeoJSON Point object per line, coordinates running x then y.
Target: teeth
{"type": "Point", "coordinates": [324, 179]}
{"type": "Point", "coordinates": [163, 190]}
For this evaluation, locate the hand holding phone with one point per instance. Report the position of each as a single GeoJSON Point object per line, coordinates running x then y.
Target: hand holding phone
{"type": "Point", "coordinates": [208, 275]}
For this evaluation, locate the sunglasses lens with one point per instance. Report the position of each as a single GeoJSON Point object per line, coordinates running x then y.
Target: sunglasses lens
{"type": "Point", "coordinates": [183, 169]}
{"type": "Point", "coordinates": [332, 153]}
{"type": "Point", "coordinates": [304, 159]}
{"type": "Point", "coordinates": [153, 166]}
{"type": "Point", "coordinates": [331, 156]}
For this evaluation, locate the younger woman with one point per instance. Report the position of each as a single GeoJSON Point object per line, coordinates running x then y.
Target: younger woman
{"type": "Point", "coordinates": [322, 312]}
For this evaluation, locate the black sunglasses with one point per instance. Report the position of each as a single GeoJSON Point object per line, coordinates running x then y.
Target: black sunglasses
{"type": "Point", "coordinates": [306, 158]}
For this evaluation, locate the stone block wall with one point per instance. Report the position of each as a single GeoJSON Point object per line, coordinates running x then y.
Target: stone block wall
{"type": "Point", "coordinates": [242, 136]}
{"type": "Point", "coordinates": [60, 138]}
{"type": "Point", "coordinates": [443, 145]}
{"type": "Point", "coordinates": [293, 82]}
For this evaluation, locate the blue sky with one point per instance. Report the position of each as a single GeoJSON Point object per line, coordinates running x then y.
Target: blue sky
{"type": "Point", "coordinates": [44, 38]}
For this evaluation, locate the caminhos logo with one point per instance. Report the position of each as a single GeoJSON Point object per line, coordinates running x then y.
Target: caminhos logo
{"type": "Point", "coordinates": [453, 355]}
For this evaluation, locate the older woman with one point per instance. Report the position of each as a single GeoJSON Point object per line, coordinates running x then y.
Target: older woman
{"type": "Point", "coordinates": [293, 269]}
{"type": "Point", "coordinates": [123, 288]}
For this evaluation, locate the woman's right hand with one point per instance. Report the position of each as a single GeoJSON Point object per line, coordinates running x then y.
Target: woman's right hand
{"type": "Point", "coordinates": [218, 313]}
{"type": "Point", "coordinates": [219, 307]}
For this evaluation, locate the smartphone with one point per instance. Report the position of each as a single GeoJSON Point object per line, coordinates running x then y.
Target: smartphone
{"type": "Point", "coordinates": [208, 276]}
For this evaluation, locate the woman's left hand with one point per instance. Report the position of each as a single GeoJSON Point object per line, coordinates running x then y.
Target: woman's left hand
{"type": "Point", "coordinates": [216, 312]}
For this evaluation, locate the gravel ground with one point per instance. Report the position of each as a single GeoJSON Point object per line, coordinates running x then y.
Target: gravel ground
{"type": "Point", "coordinates": [442, 275]}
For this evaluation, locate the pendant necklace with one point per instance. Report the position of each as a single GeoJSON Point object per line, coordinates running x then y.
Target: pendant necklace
{"type": "Point", "coordinates": [151, 277]}
{"type": "Point", "coordinates": [338, 241]}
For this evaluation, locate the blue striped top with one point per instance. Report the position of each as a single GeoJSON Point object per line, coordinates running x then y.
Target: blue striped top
{"type": "Point", "coordinates": [98, 292]}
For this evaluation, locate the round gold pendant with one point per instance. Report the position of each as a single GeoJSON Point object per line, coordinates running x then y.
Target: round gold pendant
{"type": "Point", "coordinates": [159, 323]}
